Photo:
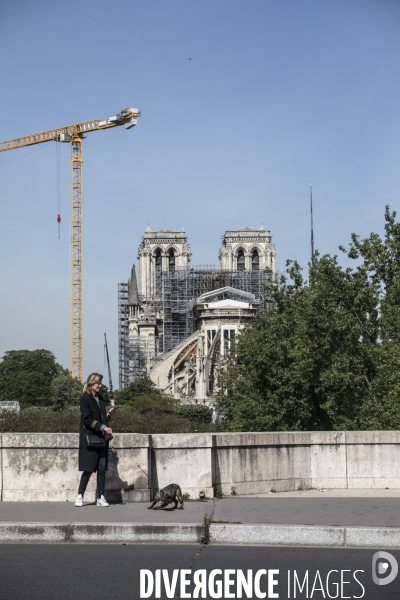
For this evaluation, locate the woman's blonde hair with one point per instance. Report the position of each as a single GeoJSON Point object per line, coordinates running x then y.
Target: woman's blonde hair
{"type": "Point", "coordinates": [91, 380]}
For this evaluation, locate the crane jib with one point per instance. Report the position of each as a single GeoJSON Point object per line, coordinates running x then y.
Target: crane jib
{"type": "Point", "coordinates": [127, 117]}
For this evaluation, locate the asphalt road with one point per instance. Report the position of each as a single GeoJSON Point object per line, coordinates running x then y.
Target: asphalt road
{"type": "Point", "coordinates": [61, 572]}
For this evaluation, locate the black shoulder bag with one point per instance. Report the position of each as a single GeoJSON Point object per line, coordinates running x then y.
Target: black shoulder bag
{"type": "Point", "coordinates": [93, 440]}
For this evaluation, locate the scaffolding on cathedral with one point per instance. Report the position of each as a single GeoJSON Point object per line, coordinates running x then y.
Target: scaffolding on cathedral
{"type": "Point", "coordinates": [123, 333]}
{"type": "Point", "coordinates": [173, 295]}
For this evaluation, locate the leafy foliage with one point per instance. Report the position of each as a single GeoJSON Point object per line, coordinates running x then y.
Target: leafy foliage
{"type": "Point", "coordinates": [381, 261]}
{"type": "Point", "coordinates": [325, 354]}
{"type": "Point", "coordinates": [150, 416]}
{"type": "Point", "coordinates": [105, 393]}
{"type": "Point", "coordinates": [198, 414]}
{"type": "Point", "coordinates": [144, 388]}
{"type": "Point", "coordinates": [41, 420]}
{"type": "Point", "coordinates": [27, 375]}
{"type": "Point", "coordinates": [146, 417]}
{"type": "Point", "coordinates": [66, 391]}
{"type": "Point", "coordinates": [143, 410]}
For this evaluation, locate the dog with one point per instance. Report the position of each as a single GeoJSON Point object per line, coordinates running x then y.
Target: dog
{"type": "Point", "coordinates": [171, 493]}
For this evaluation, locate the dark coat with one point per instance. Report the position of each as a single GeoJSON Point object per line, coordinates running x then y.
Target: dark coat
{"type": "Point", "coordinates": [92, 418]}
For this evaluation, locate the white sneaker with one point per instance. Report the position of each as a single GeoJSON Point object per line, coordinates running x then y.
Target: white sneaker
{"type": "Point", "coordinates": [102, 501]}
{"type": "Point", "coordinates": [79, 500]}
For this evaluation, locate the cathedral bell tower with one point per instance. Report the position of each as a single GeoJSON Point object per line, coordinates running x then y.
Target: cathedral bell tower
{"type": "Point", "coordinates": [247, 249]}
{"type": "Point", "coordinates": [161, 250]}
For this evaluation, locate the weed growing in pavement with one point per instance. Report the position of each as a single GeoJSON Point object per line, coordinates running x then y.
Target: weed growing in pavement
{"type": "Point", "coordinates": [205, 532]}
{"type": "Point", "coordinates": [218, 491]}
{"type": "Point", "coordinates": [205, 529]}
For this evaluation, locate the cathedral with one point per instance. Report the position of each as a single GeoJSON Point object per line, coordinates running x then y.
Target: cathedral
{"type": "Point", "coordinates": [178, 322]}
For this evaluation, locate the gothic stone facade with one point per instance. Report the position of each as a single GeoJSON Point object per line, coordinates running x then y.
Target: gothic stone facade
{"type": "Point", "coordinates": [190, 370]}
{"type": "Point", "coordinates": [247, 249]}
{"type": "Point", "coordinates": [161, 250]}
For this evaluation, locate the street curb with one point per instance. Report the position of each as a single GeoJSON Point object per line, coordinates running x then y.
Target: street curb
{"type": "Point", "coordinates": [305, 535]}
{"type": "Point", "coordinates": [100, 533]}
{"type": "Point", "coordinates": [192, 533]}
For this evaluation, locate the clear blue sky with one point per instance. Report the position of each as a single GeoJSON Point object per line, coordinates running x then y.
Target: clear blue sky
{"type": "Point", "coordinates": [276, 96]}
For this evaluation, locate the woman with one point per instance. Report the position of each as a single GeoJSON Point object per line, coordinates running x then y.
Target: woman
{"type": "Point", "coordinates": [94, 419]}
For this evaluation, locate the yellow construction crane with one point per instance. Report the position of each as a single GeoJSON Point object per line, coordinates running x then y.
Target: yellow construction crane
{"type": "Point", "coordinates": [74, 135]}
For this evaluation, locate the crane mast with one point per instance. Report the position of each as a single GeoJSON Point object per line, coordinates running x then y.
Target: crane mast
{"type": "Point", "coordinates": [76, 259]}
{"type": "Point", "coordinates": [74, 134]}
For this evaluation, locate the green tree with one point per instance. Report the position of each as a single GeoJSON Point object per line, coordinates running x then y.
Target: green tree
{"type": "Point", "coordinates": [144, 409]}
{"type": "Point", "coordinates": [381, 261]}
{"type": "Point", "coordinates": [144, 389]}
{"type": "Point", "coordinates": [307, 361]}
{"type": "Point", "coordinates": [105, 393]}
{"type": "Point", "coordinates": [26, 375]}
{"type": "Point", "coordinates": [66, 391]}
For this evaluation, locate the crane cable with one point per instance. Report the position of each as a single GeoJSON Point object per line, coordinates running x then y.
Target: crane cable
{"type": "Point", "coordinates": [26, 154]}
{"type": "Point", "coordinates": [58, 186]}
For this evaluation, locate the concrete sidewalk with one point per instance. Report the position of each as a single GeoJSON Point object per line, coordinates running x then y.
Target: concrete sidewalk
{"type": "Point", "coordinates": [351, 518]}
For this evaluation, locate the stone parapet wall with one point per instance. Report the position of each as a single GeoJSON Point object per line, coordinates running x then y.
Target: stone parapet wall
{"type": "Point", "coordinates": [44, 467]}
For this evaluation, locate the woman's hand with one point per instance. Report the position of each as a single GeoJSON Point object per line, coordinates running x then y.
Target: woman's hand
{"type": "Point", "coordinates": [110, 413]}
{"type": "Point", "coordinates": [108, 430]}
